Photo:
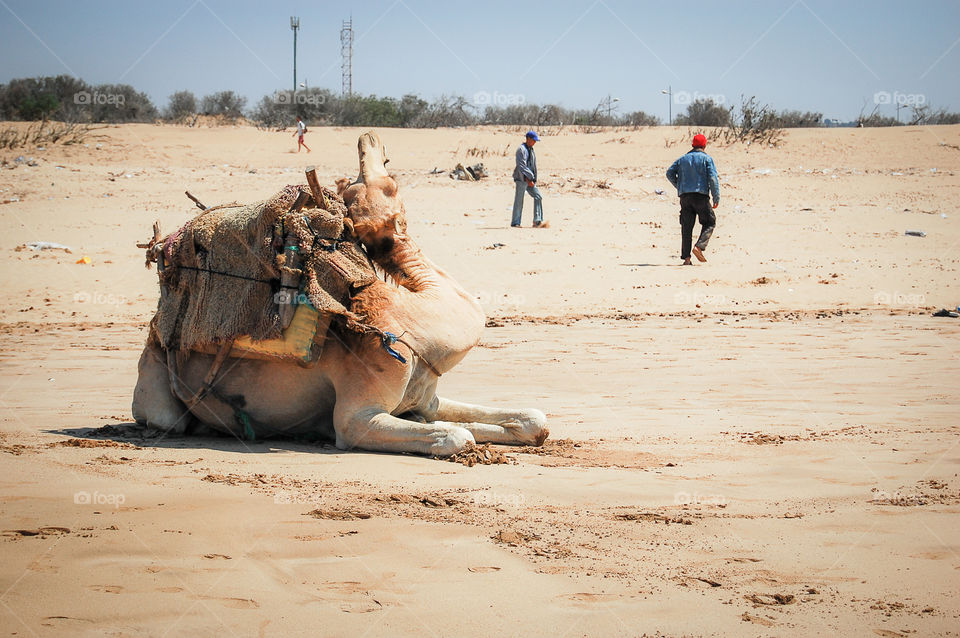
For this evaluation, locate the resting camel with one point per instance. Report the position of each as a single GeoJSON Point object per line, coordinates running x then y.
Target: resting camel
{"type": "Point", "coordinates": [356, 394]}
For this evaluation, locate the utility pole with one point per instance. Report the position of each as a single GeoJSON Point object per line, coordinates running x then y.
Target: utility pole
{"type": "Point", "coordinates": [294, 25]}
{"type": "Point", "coordinates": [346, 57]}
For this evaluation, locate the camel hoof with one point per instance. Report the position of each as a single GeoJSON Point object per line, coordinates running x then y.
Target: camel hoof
{"type": "Point", "coordinates": [535, 426]}
{"type": "Point", "coordinates": [541, 437]}
{"type": "Point", "coordinates": [452, 441]}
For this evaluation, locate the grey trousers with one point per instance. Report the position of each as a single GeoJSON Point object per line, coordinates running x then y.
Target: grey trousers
{"type": "Point", "coordinates": [518, 203]}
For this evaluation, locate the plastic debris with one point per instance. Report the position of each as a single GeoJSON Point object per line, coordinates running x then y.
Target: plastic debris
{"type": "Point", "coordinates": [915, 233]}
{"type": "Point", "coordinates": [46, 245]}
{"type": "Point", "coordinates": [84, 260]}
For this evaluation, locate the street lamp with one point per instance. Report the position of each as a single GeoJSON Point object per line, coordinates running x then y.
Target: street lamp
{"type": "Point", "coordinates": [669, 91]}
{"type": "Point", "coordinates": [294, 25]}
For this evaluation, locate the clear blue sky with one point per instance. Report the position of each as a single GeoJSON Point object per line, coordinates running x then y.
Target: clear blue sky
{"type": "Point", "coordinates": [827, 56]}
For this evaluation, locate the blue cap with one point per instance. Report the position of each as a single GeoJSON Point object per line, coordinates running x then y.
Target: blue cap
{"type": "Point", "coordinates": [533, 134]}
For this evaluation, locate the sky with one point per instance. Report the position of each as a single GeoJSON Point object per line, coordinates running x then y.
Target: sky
{"type": "Point", "coordinates": [836, 57]}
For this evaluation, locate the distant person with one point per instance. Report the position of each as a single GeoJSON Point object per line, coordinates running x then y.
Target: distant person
{"type": "Point", "coordinates": [301, 130]}
{"type": "Point", "coordinates": [525, 178]}
{"type": "Point", "coordinates": [695, 177]}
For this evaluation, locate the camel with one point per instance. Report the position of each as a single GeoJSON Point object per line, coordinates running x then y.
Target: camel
{"type": "Point", "coordinates": [357, 394]}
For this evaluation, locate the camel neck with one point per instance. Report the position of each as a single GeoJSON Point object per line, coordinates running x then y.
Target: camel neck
{"type": "Point", "coordinates": [408, 265]}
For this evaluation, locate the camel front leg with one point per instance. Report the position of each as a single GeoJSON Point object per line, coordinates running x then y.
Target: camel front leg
{"type": "Point", "coordinates": [493, 425]}
{"type": "Point", "coordinates": [376, 430]}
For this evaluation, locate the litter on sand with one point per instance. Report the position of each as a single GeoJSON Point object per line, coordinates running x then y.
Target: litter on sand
{"type": "Point", "coordinates": [46, 245]}
{"type": "Point", "coordinates": [915, 233]}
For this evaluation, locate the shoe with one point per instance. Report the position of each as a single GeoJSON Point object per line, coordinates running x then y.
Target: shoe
{"type": "Point", "coordinates": [698, 254]}
{"type": "Point", "coordinates": [536, 224]}
{"type": "Point", "coordinates": [687, 262]}
{"type": "Point", "coordinates": [514, 225]}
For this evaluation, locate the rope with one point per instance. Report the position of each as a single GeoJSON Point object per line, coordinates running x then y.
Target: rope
{"type": "Point", "coordinates": [388, 339]}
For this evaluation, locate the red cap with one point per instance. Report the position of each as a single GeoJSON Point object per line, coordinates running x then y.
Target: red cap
{"type": "Point", "coordinates": [699, 140]}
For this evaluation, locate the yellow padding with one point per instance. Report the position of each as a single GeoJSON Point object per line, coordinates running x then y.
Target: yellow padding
{"type": "Point", "coordinates": [294, 343]}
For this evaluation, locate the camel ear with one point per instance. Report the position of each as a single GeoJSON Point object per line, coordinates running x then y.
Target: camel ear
{"type": "Point", "coordinates": [342, 184]}
{"type": "Point", "coordinates": [352, 192]}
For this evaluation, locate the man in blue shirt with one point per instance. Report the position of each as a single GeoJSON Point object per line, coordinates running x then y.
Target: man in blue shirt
{"type": "Point", "coordinates": [525, 178]}
{"type": "Point", "coordinates": [695, 177]}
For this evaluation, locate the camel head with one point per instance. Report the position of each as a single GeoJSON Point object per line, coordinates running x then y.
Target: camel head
{"type": "Point", "coordinates": [373, 202]}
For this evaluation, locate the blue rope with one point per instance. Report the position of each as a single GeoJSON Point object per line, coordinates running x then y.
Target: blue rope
{"type": "Point", "coordinates": [387, 340]}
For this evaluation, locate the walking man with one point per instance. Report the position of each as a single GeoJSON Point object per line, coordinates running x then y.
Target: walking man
{"type": "Point", "coordinates": [525, 179]}
{"type": "Point", "coordinates": [695, 177]}
{"type": "Point", "coordinates": [301, 129]}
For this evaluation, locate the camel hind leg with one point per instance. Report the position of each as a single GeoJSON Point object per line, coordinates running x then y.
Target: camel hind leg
{"type": "Point", "coordinates": [493, 425]}
{"type": "Point", "coordinates": [153, 402]}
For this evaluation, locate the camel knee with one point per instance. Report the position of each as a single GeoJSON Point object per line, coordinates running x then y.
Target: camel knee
{"type": "Point", "coordinates": [153, 403]}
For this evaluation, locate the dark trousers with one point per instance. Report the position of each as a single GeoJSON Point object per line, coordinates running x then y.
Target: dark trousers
{"type": "Point", "coordinates": [692, 207]}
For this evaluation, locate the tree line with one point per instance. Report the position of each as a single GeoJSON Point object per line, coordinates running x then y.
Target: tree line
{"type": "Point", "coordinates": [71, 99]}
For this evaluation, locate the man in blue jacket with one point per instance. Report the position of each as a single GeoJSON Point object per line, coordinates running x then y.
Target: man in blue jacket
{"type": "Point", "coordinates": [695, 177]}
{"type": "Point", "coordinates": [525, 178]}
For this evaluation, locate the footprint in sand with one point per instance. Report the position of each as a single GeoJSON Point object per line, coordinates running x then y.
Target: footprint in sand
{"type": "Point", "coordinates": [170, 590]}
{"type": "Point", "coordinates": [482, 569]}
{"type": "Point", "coordinates": [588, 597]}
{"type": "Point", "coordinates": [361, 606]}
{"type": "Point", "coordinates": [106, 589]}
{"type": "Point", "coordinates": [234, 603]}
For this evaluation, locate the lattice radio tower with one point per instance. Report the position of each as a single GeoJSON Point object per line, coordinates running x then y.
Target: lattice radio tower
{"type": "Point", "coordinates": [346, 57]}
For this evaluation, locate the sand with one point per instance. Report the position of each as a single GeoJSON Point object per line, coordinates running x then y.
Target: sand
{"type": "Point", "coordinates": [763, 444]}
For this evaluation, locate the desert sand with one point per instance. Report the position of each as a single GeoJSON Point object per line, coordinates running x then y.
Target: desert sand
{"type": "Point", "coordinates": [764, 444]}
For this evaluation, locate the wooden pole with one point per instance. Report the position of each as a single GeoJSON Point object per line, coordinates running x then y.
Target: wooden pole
{"type": "Point", "coordinates": [318, 195]}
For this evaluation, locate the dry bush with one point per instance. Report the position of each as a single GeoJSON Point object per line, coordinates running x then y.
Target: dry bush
{"type": "Point", "coordinates": [46, 132]}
